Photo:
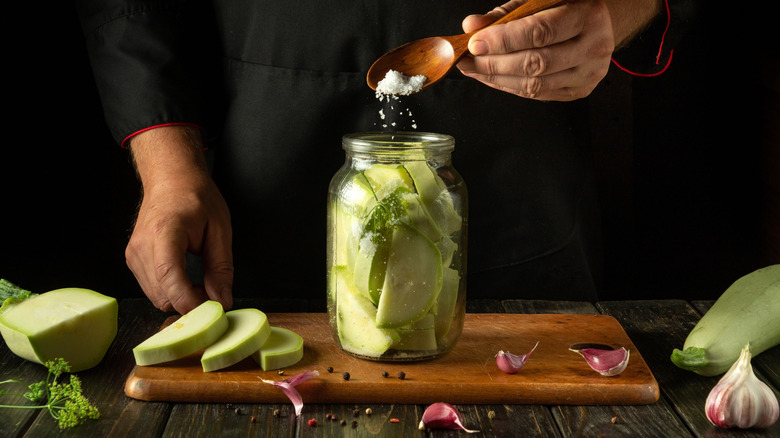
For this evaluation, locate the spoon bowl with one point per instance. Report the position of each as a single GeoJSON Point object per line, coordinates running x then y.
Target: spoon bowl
{"type": "Point", "coordinates": [434, 57]}
{"type": "Point", "coordinates": [431, 57]}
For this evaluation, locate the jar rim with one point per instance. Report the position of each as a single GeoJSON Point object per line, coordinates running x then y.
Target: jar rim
{"type": "Point", "coordinates": [397, 140]}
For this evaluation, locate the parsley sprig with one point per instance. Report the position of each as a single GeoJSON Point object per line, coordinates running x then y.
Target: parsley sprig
{"type": "Point", "coordinates": [64, 401]}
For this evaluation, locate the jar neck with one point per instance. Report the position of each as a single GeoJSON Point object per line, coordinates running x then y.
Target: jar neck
{"type": "Point", "coordinates": [397, 143]}
{"type": "Point", "coordinates": [398, 146]}
{"type": "Point", "coordinates": [418, 154]}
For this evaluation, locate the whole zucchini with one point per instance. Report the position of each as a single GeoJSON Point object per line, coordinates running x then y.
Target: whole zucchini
{"type": "Point", "coordinates": [747, 312]}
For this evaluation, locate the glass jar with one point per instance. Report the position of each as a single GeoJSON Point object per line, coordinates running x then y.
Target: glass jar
{"type": "Point", "coordinates": [396, 250]}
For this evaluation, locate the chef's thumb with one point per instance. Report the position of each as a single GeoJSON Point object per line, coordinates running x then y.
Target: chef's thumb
{"type": "Point", "coordinates": [478, 21]}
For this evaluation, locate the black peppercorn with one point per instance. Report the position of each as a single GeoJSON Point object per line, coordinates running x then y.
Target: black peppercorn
{"type": "Point", "coordinates": [345, 375]}
{"type": "Point", "coordinates": [330, 369]}
{"type": "Point", "coordinates": [401, 375]}
{"type": "Point", "coordinates": [385, 374]}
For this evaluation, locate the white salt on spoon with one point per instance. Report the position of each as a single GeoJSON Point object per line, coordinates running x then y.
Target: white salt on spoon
{"type": "Point", "coordinates": [396, 83]}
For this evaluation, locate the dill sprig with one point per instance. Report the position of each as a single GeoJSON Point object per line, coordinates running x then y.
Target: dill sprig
{"type": "Point", "coordinates": [64, 401]}
{"type": "Point", "coordinates": [384, 216]}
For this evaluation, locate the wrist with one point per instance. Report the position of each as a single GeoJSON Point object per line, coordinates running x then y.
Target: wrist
{"type": "Point", "coordinates": [629, 18]}
{"type": "Point", "coordinates": [169, 154]}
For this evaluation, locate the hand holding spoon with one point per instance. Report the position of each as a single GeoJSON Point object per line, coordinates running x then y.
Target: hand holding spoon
{"type": "Point", "coordinates": [434, 57]}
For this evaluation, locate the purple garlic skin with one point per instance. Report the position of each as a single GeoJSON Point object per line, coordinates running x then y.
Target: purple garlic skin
{"type": "Point", "coordinates": [288, 387]}
{"type": "Point", "coordinates": [740, 399]}
{"type": "Point", "coordinates": [608, 363]}
{"type": "Point", "coordinates": [512, 363]}
{"type": "Point", "coordinates": [443, 416]}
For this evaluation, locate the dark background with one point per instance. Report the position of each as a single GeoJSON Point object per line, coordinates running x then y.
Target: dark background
{"type": "Point", "coordinates": [683, 189]}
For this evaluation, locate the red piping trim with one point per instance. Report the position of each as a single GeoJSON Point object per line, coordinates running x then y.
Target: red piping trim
{"type": "Point", "coordinates": [646, 75]}
{"type": "Point", "coordinates": [193, 125]}
{"type": "Point", "coordinates": [660, 50]}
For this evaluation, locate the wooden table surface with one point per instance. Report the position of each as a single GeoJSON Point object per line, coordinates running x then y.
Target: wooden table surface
{"type": "Point", "coordinates": [655, 327]}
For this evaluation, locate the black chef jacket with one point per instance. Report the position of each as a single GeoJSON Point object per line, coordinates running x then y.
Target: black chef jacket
{"type": "Point", "coordinates": [275, 85]}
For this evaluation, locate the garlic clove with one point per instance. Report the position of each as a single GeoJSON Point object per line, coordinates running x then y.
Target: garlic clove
{"type": "Point", "coordinates": [443, 416]}
{"type": "Point", "coordinates": [512, 363]}
{"type": "Point", "coordinates": [288, 387]}
{"type": "Point", "coordinates": [740, 399]}
{"type": "Point", "coordinates": [604, 361]}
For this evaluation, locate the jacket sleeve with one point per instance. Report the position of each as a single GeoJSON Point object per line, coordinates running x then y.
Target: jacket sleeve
{"type": "Point", "coordinates": [650, 53]}
{"type": "Point", "coordinates": [152, 61]}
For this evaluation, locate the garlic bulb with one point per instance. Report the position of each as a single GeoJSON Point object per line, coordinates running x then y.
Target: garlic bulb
{"type": "Point", "coordinates": [740, 400]}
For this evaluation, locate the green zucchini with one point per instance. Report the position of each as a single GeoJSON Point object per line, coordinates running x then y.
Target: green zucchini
{"type": "Point", "coordinates": [747, 312]}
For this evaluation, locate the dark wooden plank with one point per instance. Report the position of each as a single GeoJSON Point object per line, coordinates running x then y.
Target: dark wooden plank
{"type": "Point", "coordinates": [370, 420]}
{"type": "Point", "coordinates": [483, 306]}
{"type": "Point", "coordinates": [197, 419]}
{"type": "Point", "coordinates": [230, 420]}
{"type": "Point", "coordinates": [656, 420]}
{"type": "Point", "coordinates": [506, 421]}
{"type": "Point", "coordinates": [119, 415]}
{"type": "Point", "coordinates": [548, 306]}
{"type": "Point", "coordinates": [766, 364]}
{"type": "Point", "coordinates": [657, 327]}
{"type": "Point", "coordinates": [15, 422]}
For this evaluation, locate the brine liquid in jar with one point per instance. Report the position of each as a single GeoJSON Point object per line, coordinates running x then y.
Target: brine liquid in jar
{"type": "Point", "coordinates": [396, 250]}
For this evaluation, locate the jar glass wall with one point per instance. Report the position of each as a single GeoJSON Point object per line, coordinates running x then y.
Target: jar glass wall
{"type": "Point", "coordinates": [396, 249]}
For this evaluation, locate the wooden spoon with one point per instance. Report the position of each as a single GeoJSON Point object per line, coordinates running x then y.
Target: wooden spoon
{"type": "Point", "coordinates": [434, 57]}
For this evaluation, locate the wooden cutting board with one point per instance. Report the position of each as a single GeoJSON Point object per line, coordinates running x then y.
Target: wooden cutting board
{"type": "Point", "coordinates": [468, 374]}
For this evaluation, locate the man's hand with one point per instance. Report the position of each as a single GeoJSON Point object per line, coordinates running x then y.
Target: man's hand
{"type": "Point", "coordinates": [181, 210]}
{"type": "Point", "coordinates": [557, 54]}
